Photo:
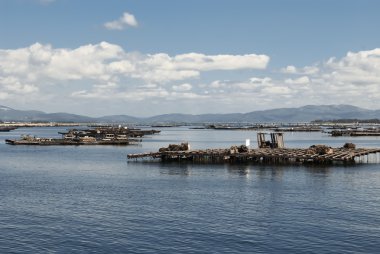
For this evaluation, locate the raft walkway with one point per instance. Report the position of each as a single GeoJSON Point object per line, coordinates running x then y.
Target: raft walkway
{"type": "Point", "coordinates": [266, 155]}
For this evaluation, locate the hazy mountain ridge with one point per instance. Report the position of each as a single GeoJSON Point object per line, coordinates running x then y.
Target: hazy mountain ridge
{"type": "Point", "coordinates": [301, 114]}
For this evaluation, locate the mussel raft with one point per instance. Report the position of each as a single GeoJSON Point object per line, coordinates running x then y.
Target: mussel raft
{"type": "Point", "coordinates": [317, 154]}
{"type": "Point", "coordinates": [56, 142]}
{"type": "Point", "coordinates": [98, 136]}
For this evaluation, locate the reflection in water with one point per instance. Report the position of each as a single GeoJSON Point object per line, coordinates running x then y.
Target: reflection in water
{"type": "Point", "coordinates": [273, 172]}
{"type": "Point", "coordinates": [320, 170]}
{"type": "Point", "coordinates": [181, 169]}
{"type": "Point", "coordinates": [96, 202]}
{"type": "Point", "coordinates": [241, 170]}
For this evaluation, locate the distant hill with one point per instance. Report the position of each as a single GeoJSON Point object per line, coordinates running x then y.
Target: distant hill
{"type": "Point", "coordinates": [285, 115]}
{"type": "Point", "coordinates": [10, 114]}
{"type": "Point", "coordinates": [310, 113]}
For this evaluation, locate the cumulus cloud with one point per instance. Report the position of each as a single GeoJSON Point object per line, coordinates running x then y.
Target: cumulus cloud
{"type": "Point", "coordinates": [140, 94]}
{"type": "Point", "coordinates": [183, 87]}
{"type": "Point", "coordinates": [105, 70]}
{"type": "Point", "coordinates": [162, 67]}
{"type": "Point", "coordinates": [353, 79]}
{"type": "Point", "coordinates": [358, 68]}
{"type": "Point", "coordinates": [11, 85]}
{"type": "Point", "coordinates": [124, 21]}
{"type": "Point", "coordinates": [307, 70]}
{"type": "Point", "coordinates": [346, 80]}
{"type": "Point", "coordinates": [249, 94]}
{"type": "Point", "coordinates": [41, 63]}
{"type": "Point", "coordinates": [289, 69]}
{"type": "Point", "coordinates": [298, 81]}
{"type": "Point", "coordinates": [105, 61]}
{"type": "Point", "coordinates": [197, 61]}
{"type": "Point", "coordinates": [218, 84]}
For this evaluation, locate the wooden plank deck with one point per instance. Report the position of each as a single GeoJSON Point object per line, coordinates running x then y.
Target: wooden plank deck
{"type": "Point", "coordinates": [262, 155]}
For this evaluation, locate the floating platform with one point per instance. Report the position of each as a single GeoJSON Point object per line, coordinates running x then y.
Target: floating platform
{"type": "Point", "coordinates": [98, 136]}
{"type": "Point", "coordinates": [7, 128]}
{"type": "Point", "coordinates": [63, 142]}
{"type": "Point", "coordinates": [298, 129]}
{"type": "Point", "coordinates": [266, 156]}
{"type": "Point", "coordinates": [355, 133]}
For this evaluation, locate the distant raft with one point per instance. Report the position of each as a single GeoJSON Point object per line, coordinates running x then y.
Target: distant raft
{"type": "Point", "coordinates": [27, 140]}
{"type": "Point", "coordinates": [7, 128]}
{"type": "Point", "coordinates": [98, 136]}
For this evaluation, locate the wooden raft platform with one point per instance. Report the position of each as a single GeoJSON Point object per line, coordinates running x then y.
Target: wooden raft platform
{"type": "Point", "coordinates": [266, 155]}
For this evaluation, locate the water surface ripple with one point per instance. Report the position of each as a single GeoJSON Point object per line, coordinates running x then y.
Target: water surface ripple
{"type": "Point", "coordinates": [90, 199]}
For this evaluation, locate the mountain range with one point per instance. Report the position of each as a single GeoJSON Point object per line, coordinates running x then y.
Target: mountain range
{"type": "Point", "coordinates": [287, 115]}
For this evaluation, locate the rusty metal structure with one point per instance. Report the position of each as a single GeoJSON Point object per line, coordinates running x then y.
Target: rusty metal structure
{"type": "Point", "coordinates": [276, 140]}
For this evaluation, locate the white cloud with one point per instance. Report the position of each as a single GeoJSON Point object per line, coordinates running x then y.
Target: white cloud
{"type": "Point", "coordinates": [307, 70]}
{"type": "Point", "coordinates": [183, 87]}
{"type": "Point", "coordinates": [298, 81]}
{"type": "Point", "coordinates": [358, 68]}
{"type": "Point", "coordinates": [126, 20]}
{"type": "Point", "coordinates": [260, 81]}
{"type": "Point", "coordinates": [355, 69]}
{"type": "Point", "coordinates": [254, 87]}
{"type": "Point", "coordinates": [290, 69]}
{"type": "Point", "coordinates": [254, 84]}
{"type": "Point", "coordinates": [187, 95]}
{"type": "Point", "coordinates": [106, 71]}
{"type": "Point", "coordinates": [141, 94]}
{"type": "Point", "coordinates": [14, 86]}
{"type": "Point", "coordinates": [106, 68]}
{"type": "Point", "coordinates": [218, 84]}
{"type": "Point", "coordinates": [4, 95]}
{"type": "Point", "coordinates": [123, 66]}
{"type": "Point", "coordinates": [353, 79]}
{"type": "Point", "coordinates": [162, 67]}
{"type": "Point", "coordinates": [203, 62]}
{"type": "Point", "coordinates": [274, 90]}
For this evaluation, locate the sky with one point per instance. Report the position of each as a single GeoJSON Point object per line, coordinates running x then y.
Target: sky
{"type": "Point", "coordinates": [144, 57]}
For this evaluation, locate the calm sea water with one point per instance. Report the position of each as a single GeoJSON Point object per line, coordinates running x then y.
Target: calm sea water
{"type": "Point", "coordinates": [92, 200]}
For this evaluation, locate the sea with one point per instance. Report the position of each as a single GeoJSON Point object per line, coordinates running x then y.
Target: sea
{"type": "Point", "coordinates": [91, 199]}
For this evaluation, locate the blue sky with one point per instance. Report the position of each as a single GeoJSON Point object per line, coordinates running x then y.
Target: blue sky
{"type": "Point", "coordinates": [187, 56]}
